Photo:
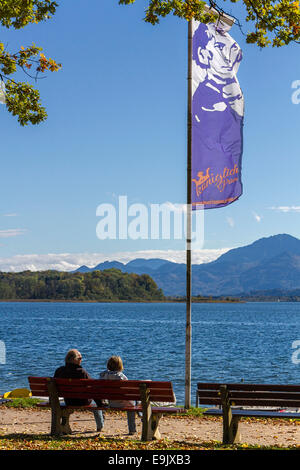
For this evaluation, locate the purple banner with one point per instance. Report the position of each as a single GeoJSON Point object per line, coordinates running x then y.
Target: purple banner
{"type": "Point", "coordinates": [217, 117]}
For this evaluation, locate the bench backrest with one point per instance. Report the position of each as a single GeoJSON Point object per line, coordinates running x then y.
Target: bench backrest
{"type": "Point", "coordinates": [250, 394]}
{"type": "Point", "coordinates": [102, 389]}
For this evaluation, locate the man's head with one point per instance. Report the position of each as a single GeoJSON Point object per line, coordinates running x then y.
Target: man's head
{"type": "Point", "coordinates": [73, 357]}
{"type": "Point", "coordinates": [211, 44]}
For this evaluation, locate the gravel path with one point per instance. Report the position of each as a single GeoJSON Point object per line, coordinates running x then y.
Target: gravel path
{"type": "Point", "coordinates": [188, 429]}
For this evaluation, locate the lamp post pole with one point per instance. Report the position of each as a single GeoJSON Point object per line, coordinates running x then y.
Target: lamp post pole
{"type": "Point", "coordinates": [188, 338]}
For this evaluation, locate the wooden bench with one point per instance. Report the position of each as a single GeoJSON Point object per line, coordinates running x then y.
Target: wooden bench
{"type": "Point", "coordinates": [144, 392]}
{"type": "Point", "coordinates": [253, 397]}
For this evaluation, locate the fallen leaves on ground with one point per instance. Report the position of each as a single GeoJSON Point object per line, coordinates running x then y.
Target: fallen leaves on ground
{"type": "Point", "coordinates": [38, 442]}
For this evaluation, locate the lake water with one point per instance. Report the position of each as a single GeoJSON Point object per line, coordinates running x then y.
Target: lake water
{"type": "Point", "coordinates": [230, 342]}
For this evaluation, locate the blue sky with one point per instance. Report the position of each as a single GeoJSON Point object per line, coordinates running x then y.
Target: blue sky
{"type": "Point", "coordinates": [117, 126]}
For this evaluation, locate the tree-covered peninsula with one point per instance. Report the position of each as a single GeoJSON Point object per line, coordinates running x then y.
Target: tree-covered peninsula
{"type": "Point", "coordinates": [108, 285]}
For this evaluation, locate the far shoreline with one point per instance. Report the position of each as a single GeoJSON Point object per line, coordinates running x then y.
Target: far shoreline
{"type": "Point", "coordinates": [123, 301]}
{"type": "Point", "coordinates": [143, 301]}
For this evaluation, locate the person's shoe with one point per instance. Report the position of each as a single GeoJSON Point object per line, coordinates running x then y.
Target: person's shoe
{"type": "Point", "coordinates": [131, 433]}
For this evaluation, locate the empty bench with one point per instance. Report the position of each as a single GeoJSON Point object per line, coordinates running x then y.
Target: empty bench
{"type": "Point", "coordinates": [144, 392]}
{"type": "Point", "coordinates": [247, 400]}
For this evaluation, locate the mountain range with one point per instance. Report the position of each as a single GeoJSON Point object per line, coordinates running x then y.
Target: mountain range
{"type": "Point", "coordinates": [266, 264]}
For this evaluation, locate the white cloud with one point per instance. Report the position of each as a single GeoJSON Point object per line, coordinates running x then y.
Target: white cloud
{"type": "Point", "coordinates": [182, 208]}
{"type": "Point", "coordinates": [230, 221]}
{"type": "Point", "coordinates": [257, 217]}
{"type": "Point", "coordinates": [13, 214]}
{"type": "Point", "coordinates": [12, 232]}
{"type": "Point", "coordinates": [286, 208]}
{"type": "Point", "coordinates": [72, 261]}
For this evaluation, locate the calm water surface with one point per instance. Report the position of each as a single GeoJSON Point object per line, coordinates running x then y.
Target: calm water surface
{"type": "Point", "coordinates": [230, 342]}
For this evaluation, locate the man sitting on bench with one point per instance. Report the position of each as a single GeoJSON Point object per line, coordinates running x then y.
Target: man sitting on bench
{"type": "Point", "coordinates": [73, 370]}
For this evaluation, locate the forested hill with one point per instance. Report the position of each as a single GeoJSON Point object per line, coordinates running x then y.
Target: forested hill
{"type": "Point", "coordinates": [108, 285]}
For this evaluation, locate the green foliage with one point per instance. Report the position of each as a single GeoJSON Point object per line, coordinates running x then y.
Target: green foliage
{"type": "Point", "coordinates": [22, 403]}
{"type": "Point", "coordinates": [281, 18]}
{"type": "Point", "coordinates": [107, 285]}
{"type": "Point", "coordinates": [275, 22]}
{"type": "Point", "coordinates": [22, 99]}
{"type": "Point", "coordinates": [194, 412]}
{"type": "Point", "coordinates": [19, 13]}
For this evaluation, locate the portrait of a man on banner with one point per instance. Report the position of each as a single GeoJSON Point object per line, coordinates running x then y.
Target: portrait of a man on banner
{"type": "Point", "coordinates": [217, 117]}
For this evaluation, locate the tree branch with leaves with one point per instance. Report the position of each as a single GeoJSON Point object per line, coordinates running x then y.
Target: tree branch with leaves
{"type": "Point", "coordinates": [275, 22]}
{"type": "Point", "coordinates": [21, 98]}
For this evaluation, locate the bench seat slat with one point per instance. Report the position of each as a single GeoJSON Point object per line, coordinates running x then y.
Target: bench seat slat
{"type": "Point", "coordinates": [250, 387]}
{"type": "Point", "coordinates": [92, 407]}
{"type": "Point", "coordinates": [155, 409]}
{"type": "Point", "coordinates": [156, 384]}
{"type": "Point", "coordinates": [115, 395]}
{"type": "Point", "coordinates": [210, 401]}
{"type": "Point", "coordinates": [262, 402]}
{"type": "Point", "coordinates": [233, 395]}
{"type": "Point", "coordinates": [265, 395]}
{"type": "Point", "coordinates": [38, 380]}
{"type": "Point", "coordinates": [118, 383]}
{"type": "Point", "coordinates": [256, 413]}
{"type": "Point", "coordinates": [255, 402]}
{"type": "Point", "coordinates": [112, 395]}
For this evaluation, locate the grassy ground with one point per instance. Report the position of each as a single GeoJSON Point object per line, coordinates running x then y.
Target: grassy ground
{"type": "Point", "coordinates": [22, 403]}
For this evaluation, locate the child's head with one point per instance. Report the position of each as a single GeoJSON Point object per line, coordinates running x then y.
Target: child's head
{"type": "Point", "coordinates": [115, 364]}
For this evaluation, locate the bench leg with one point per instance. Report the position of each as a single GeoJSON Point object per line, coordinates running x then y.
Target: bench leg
{"type": "Point", "coordinates": [150, 428]}
{"type": "Point", "coordinates": [236, 434]}
{"type": "Point", "coordinates": [56, 411]}
{"type": "Point", "coordinates": [147, 413]}
{"type": "Point", "coordinates": [150, 421]}
{"type": "Point", "coordinates": [154, 426]}
{"type": "Point", "coordinates": [65, 425]}
{"type": "Point", "coordinates": [56, 429]}
{"type": "Point", "coordinates": [231, 432]}
{"type": "Point", "coordinates": [147, 424]}
{"type": "Point", "coordinates": [60, 421]}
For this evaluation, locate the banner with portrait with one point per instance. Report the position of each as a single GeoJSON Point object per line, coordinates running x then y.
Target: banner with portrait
{"type": "Point", "coordinates": [217, 117]}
